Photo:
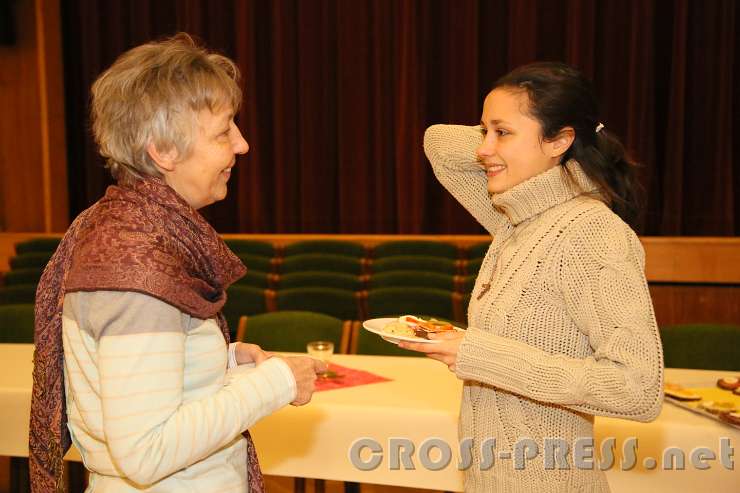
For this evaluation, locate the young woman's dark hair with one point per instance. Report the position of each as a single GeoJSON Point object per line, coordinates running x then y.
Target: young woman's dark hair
{"type": "Point", "coordinates": [560, 96]}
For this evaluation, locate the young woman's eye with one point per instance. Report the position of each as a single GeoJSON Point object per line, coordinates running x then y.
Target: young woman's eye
{"type": "Point", "coordinates": [501, 132]}
{"type": "Point", "coordinates": [483, 130]}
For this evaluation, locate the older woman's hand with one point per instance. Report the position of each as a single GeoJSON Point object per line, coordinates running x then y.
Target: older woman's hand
{"type": "Point", "coordinates": [304, 371]}
{"type": "Point", "coordinates": [445, 351]}
{"type": "Point", "coordinates": [250, 353]}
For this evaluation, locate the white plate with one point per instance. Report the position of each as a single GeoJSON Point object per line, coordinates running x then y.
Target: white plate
{"type": "Point", "coordinates": [376, 325]}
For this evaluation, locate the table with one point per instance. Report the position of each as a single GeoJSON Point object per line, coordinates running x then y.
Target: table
{"type": "Point", "coordinates": [420, 402]}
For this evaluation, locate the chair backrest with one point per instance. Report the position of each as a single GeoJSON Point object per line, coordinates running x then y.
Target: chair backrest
{"type": "Point", "coordinates": [23, 276]}
{"type": "Point", "coordinates": [388, 302]}
{"type": "Point", "coordinates": [243, 300]}
{"type": "Point", "coordinates": [17, 294]}
{"type": "Point", "coordinates": [321, 262]}
{"type": "Point", "coordinates": [416, 248]}
{"type": "Point", "coordinates": [313, 278]}
{"type": "Point", "coordinates": [473, 265]}
{"type": "Point", "coordinates": [251, 247]}
{"type": "Point", "coordinates": [255, 278]}
{"type": "Point", "coordinates": [37, 245]}
{"type": "Point", "coordinates": [365, 342]}
{"type": "Point", "coordinates": [16, 323]}
{"type": "Point", "coordinates": [422, 279]}
{"type": "Point", "coordinates": [292, 330]}
{"type": "Point", "coordinates": [30, 260]}
{"type": "Point", "coordinates": [701, 346]}
{"type": "Point", "coordinates": [467, 283]}
{"type": "Point", "coordinates": [421, 263]}
{"type": "Point", "coordinates": [332, 247]}
{"type": "Point", "coordinates": [339, 303]}
{"type": "Point", "coordinates": [256, 262]}
{"type": "Point", "coordinates": [478, 250]}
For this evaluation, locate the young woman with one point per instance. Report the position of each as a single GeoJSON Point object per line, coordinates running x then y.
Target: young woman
{"type": "Point", "coordinates": [561, 325]}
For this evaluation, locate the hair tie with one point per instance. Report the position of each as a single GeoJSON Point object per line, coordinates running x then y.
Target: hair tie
{"type": "Point", "coordinates": [599, 127]}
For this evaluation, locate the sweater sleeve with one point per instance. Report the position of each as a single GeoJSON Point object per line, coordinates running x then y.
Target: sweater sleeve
{"type": "Point", "coordinates": [600, 272]}
{"type": "Point", "coordinates": [149, 429]}
{"type": "Point", "coordinates": [451, 151]}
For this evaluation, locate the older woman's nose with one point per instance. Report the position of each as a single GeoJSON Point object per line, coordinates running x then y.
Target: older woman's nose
{"type": "Point", "coordinates": [240, 144]}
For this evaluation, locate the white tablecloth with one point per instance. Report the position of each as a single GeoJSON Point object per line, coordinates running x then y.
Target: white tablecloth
{"type": "Point", "coordinates": [421, 401]}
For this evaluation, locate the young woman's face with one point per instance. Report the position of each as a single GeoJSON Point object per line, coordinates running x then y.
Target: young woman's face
{"type": "Point", "coordinates": [512, 150]}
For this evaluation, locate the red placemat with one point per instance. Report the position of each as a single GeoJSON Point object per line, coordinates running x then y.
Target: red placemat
{"type": "Point", "coordinates": [347, 377]}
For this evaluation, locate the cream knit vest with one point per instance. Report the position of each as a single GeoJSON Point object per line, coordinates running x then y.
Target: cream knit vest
{"type": "Point", "coordinates": [566, 330]}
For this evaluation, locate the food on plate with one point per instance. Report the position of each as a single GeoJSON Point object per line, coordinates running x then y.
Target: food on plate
{"type": "Point", "coordinates": [728, 383]}
{"type": "Point", "coordinates": [413, 326]}
{"type": "Point", "coordinates": [678, 392]}
{"type": "Point", "coordinates": [736, 391]}
{"type": "Point", "coordinates": [732, 418]}
{"type": "Point", "coordinates": [399, 329]}
{"type": "Point", "coordinates": [718, 407]}
{"type": "Point", "coordinates": [422, 328]}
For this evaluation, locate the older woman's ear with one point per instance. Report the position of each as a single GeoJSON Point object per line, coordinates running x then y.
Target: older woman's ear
{"type": "Point", "coordinates": [164, 160]}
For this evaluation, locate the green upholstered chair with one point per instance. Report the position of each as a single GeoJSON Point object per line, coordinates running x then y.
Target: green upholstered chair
{"type": "Point", "coordinates": [324, 279]}
{"type": "Point", "coordinates": [254, 278]}
{"type": "Point", "coordinates": [416, 248]}
{"type": "Point", "coordinates": [701, 346]}
{"type": "Point", "coordinates": [16, 323]}
{"type": "Point", "coordinates": [23, 276]}
{"type": "Point", "coordinates": [385, 302]}
{"type": "Point", "coordinates": [321, 261]}
{"type": "Point", "coordinates": [472, 266]}
{"type": "Point", "coordinates": [256, 262]}
{"type": "Point", "coordinates": [467, 283]}
{"type": "Point", "coordinates": [18, 294]}
{"type": "Point", "coordinates": [251, 247]}
{"type": "Point", "coordinates": [366, 342]}
{"type": "Point", "coordinates": [401, 278]}
{"type": "Point", "coordinates": [339, 303]}
{"type": "Point", "coordinates": [332, 247]}
{"type": "Point", "coordinates": [37, 245]}
{"type": "Point", "coordinates": [478, 250]}
{"type": "Point", "coordinates": [30, 260]}
{"type": "Point", "coordinates": [243, 300]}
{"type": "Point", "coordinates": [291, 330]}
{"type": "Point", "coordinates": [409, 262]}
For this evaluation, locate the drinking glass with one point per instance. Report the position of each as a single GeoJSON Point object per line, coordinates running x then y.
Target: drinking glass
{"type": "Point", "coordinates": [321, 350]}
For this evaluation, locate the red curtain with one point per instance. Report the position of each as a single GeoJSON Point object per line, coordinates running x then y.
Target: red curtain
{"type": "Point", "coordinates": [338, 94]}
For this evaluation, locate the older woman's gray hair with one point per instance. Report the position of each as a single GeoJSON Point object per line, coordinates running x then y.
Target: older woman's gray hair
{"type": "Point", "coordinates": [153, 94]}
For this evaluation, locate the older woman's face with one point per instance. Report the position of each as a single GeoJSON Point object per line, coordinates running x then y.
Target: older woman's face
{"type": "Point", "coordinates": [201, 178]}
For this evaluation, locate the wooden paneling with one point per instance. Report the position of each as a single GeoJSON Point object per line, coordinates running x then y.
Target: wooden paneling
{"type": "Point", "coordinates": [695, 303]}
{"type": "Point", "coordinates": [32, 142]}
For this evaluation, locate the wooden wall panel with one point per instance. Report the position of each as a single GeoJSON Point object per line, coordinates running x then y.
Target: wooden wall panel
{"type": "Point", "coordinates": [695, 303]}
{"type": "Point", "coordinates": [33, 166]}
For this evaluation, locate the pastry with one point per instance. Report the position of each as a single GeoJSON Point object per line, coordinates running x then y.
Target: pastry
{"type": "Point", "coordinates": [728, 383]}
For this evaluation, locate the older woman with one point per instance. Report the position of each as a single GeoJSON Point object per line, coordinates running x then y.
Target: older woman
{"type": "Point", "coordinates": [131, 347]}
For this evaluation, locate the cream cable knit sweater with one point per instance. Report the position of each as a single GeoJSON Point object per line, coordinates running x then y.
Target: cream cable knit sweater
{"type": "Point", "coordinates": [566, 330]}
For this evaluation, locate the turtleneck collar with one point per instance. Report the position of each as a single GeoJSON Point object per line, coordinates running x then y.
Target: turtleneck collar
{"type": "Point", "coordinates": [542, 192]}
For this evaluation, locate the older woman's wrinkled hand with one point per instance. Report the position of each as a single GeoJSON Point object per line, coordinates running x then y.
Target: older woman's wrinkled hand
{"type": "Point", "coordinates": [250, 353]}
{"type": "Point", "coordinates": [304, 370]}
{"type": "Point", "coordinates": [445, 351]}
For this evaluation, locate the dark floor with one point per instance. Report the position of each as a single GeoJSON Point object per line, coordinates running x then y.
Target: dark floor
{"type": "Point", "coordinates": [274, 484]}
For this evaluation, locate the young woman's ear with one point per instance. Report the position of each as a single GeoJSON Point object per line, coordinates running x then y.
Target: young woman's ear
{"type": "Point", "coordinates": [164, 160]}
{"type": "Point", "coordinates": [562, 142]}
